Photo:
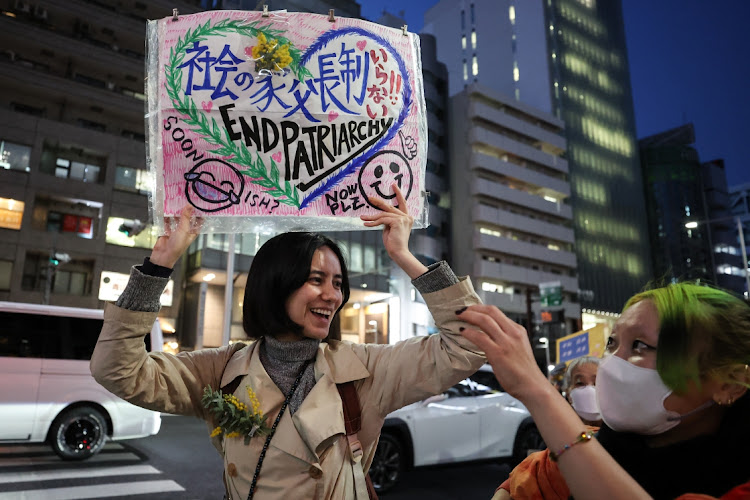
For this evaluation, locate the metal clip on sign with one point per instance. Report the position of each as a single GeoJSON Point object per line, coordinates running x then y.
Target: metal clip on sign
{"type": "Point", "coordinates": [331, 17]}
{"type": "Point", "coordinates": [175, 15]}
{"type": "Point", "coordinates": [265, 10]}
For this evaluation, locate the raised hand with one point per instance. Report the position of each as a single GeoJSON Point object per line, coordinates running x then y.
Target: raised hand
{"type": "Point", "coordinates": [397, 224]}
{"type": "Point", "coordinates": [170, 247]}
{"type": "Point", "coordinates": [506, 345]}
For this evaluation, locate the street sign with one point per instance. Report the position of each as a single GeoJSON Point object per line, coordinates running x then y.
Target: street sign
{"type": "Point", "coordinates": [583, 343]}
{"type": "Point", "coordinates": [550, 293]}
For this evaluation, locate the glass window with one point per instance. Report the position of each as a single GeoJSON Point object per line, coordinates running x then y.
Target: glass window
{"type": "Point", "coordinates": [11, 213]}
{"type": "Point", "coordinates": [463, 42]}
{"type": "Point", "coordinates": [473, 39]}
{"type": "Point", "coordinates": [463, 19]}
{"type": "Point", "coordinates": [51, 337]}
{"type": "Point", "coordinates": [473, 19]}
{"type": "Point", "coordinates": [474, 66]}
{"type": "Point", "coordinates": [145, 239]}
{"type": "Point", "coordinates": [69, 282]}
{"type": "Point", "coordinates": [133, 179]}
{"type": "Point", "coordinates": [371, 263]}
{"type": "Point", "coordinates": [355, 257]}
{"type": "Point", "coordinates": [6, 269]}
{"type": "Point", "coordinates": [466, 71]}
{"type": "Point", "coordinates": [62, 282]}
{"type": "Point", "coordinates": [14, 156]}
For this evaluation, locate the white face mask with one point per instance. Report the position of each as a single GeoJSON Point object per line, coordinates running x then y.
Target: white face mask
{"type": "Point", "coordinates": [584, 402]}
{"type": "Point", "coordinates": [631, 398]}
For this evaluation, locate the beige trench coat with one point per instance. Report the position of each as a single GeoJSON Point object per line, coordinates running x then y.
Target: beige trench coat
{"type": "Point", "coordinates": [309, 456]}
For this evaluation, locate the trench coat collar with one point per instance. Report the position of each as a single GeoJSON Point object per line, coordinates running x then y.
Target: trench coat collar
{"type": "Point", "coordinates": [320, 418]}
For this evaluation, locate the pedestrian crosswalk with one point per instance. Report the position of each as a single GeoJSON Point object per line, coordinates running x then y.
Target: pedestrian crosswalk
{"type": "Point", "coordinates": [34, 472]}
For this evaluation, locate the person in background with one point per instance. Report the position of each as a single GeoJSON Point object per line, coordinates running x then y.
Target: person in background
{"type": "Point", "coordinates": [672, 391]}
{"type": "Point", "coordinates": [297, 284]}
{"type": "Point", "coordinates": [579, 385]}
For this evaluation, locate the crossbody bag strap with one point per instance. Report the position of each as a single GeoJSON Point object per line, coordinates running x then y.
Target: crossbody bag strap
{"type": "Point", "coordinates": [352, 425]}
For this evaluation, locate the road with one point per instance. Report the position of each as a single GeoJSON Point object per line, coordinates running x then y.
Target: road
{"type": "Point", "coordinates": [180, 463]}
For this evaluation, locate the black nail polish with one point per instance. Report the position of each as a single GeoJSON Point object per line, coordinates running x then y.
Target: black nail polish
{"type": "Point", "coordinates": [461, 310]}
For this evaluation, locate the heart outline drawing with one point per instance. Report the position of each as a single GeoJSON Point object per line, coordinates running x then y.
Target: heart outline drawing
{"type": "Point", "coordinates": [406, 92]}
{"type": "Point", "coordinates": [286, 189]}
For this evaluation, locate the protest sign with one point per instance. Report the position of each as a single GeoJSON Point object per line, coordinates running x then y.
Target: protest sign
{"type": "Point", "coordinates": [289, 121]}
{"type": "Point", "coordinates": [590, 342]}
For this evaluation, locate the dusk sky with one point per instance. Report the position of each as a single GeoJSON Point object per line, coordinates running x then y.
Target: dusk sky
{"type": "Point", "coordinates": [689, 62]}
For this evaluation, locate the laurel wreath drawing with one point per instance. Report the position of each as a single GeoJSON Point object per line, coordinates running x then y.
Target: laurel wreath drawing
{"type": "Point", "coordinates": [255, 169]}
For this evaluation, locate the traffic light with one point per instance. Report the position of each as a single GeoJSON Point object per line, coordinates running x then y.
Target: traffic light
{"type": "Point", "coordinates": [54, 262]}
{"type": "Point", "coordinates": [132, 227]}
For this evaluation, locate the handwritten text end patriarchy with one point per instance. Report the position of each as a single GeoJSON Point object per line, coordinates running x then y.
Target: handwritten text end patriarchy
{"type": "Point", "coordinates": [319, 149]}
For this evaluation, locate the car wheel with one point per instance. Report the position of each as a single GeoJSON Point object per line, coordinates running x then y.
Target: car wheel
{"type": "Point", "coordinates": [528, 440]}
{"type": "Point", "coordinates": [78, 434]}
{"type": "Point", "coordinates": [388, 463]}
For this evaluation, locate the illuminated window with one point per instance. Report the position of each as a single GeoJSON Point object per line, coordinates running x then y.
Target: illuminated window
{"type": "Point", "coordinates": [11, 213]}
{"type": "Point", "coordinates": [463, 42]}
{"type": "Point", "coordinates": [512, 14]}
{"type": "Point", "coordinates": [134, 179]}
{"type": "Point", "coordinates": [14, 156]}
{"type": "Point", "coordinates": [145, 239]}
{"type": "Point", "coordinates": [492, 287]}
{"type": "Point", "coordinates": [473, 39]}
{"type": "Point", "coordinates": [516, 73]}
{"type": "Point", "coordinates": [466, 71]}
{"type": "Point", "coordinates": [491, 232]}
{"type": "Point", "coordinates": [474, 66]}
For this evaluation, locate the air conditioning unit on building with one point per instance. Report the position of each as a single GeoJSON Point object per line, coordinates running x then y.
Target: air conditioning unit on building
{"type": "Point", "coordinates": [22, 6]}
{"type": "Point", "coordinates": [40, 12]}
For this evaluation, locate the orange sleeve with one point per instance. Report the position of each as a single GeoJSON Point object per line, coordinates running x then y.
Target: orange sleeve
{"type": "Point", "coordinates": [537, 478]}
{"type": "Point", "coordinates": [741, 492]}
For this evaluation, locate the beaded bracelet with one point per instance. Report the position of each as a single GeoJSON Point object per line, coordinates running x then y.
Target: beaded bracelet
{"type": "Point", "coordinates": [582, 438]}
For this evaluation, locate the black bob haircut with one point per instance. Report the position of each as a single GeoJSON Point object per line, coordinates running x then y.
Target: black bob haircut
{"type": "Point", "coordinates": [281, 266]}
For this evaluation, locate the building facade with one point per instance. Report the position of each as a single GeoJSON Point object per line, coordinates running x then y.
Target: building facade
{"type": "Point", "coordinates": [74, 185]}
{"type": "Point", "coordinates": [74, 198]}
{"type": "Point", "coordinates": [675, 196]}
{"type": "Point", "coordinates": [723, 229]}
{"type": "Point", "coordinates": [569, 58]}
{"type": "Point", "coordinates": [511, 217]}
{"type": "Point", "coordinates": [739, 203]}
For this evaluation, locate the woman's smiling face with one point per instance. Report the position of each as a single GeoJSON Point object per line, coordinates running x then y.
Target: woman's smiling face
{"type": "Point", "coordinates": [313, 305]}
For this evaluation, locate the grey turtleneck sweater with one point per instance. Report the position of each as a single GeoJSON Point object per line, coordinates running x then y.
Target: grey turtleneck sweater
{"type": "Point", "coordinates": [282, 360]}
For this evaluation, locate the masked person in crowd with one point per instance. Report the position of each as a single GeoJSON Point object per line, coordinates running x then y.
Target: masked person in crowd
{"type": "Point", "coordinates": [672, 391]}
{"type": "Point", "coordinates": [296, 285]}
{"type": "Point", "coordinates": [579, 385]}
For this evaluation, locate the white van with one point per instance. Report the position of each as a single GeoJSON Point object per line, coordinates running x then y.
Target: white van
{"type": "Point", "coordinates": [47, 393]}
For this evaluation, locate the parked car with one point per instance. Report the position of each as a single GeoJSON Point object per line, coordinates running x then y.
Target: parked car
{"type": "Point", "coordinates": [47, 393]}
{"type": "Point", "coordinates": [471, 421]}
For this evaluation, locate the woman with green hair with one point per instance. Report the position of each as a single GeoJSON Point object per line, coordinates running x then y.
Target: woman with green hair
{"type": "Point", "coordinates": [671, 389]}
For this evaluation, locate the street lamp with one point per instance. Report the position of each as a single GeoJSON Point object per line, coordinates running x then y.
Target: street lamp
{"type": "Point", "coordinates": [694, 224]}
{"type": "Point", "coordinates": [545, 342]}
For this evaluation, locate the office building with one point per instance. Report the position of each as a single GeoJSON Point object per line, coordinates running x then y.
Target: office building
{"type": "Point", "coordinates": [74, 185]}
{"type": "Point", "coordinates": [511, 217]}
{"type": "Point", "coordinates": [675, 196]}
{"type": "Point", "coordinates": [569, 58]}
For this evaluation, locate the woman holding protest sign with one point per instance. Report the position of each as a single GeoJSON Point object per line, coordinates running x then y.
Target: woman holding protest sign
{"type": "Point", "coordinates": [275, 406]}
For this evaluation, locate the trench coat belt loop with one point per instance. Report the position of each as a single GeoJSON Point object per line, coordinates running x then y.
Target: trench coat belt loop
{"type": "Point", "coordinates": [355, 454]}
